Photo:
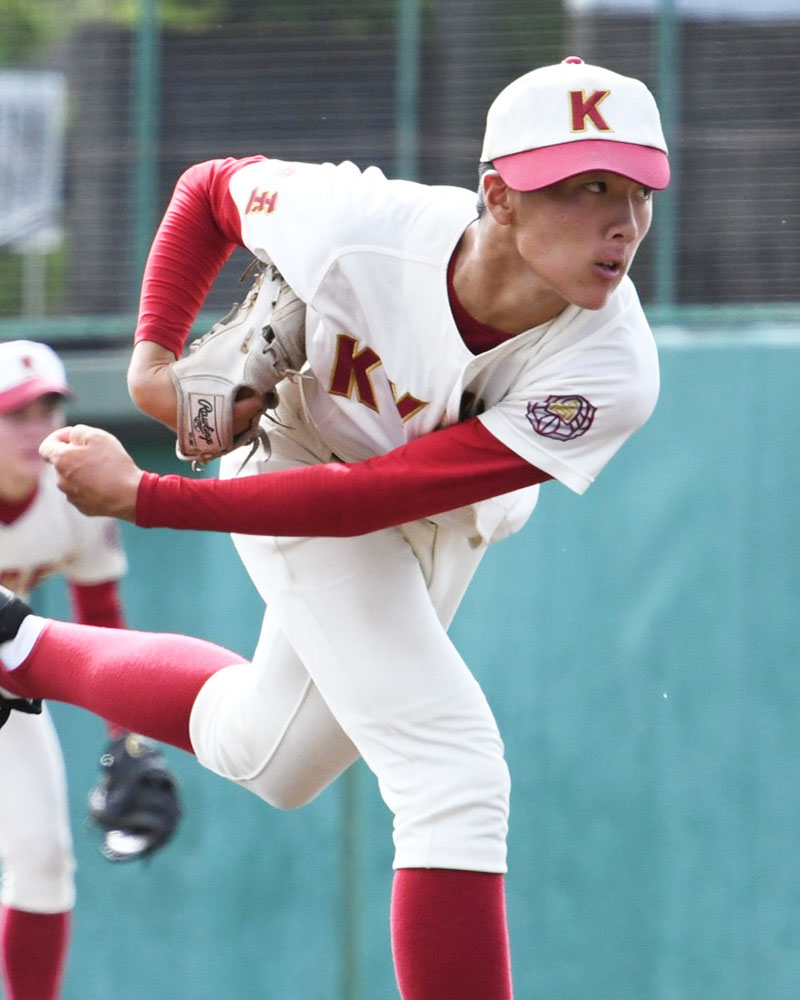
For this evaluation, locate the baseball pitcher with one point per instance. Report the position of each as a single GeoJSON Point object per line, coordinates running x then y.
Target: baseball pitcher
{"type": "Point", "coordinates": [425, 365]}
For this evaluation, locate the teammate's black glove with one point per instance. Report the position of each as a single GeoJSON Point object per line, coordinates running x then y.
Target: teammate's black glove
{"type": "Point", "coordinates": [136, 803]}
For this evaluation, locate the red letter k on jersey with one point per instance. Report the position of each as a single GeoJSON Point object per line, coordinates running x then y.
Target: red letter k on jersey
{"type": "Point", "coordinates": [351, 371]}
{"type": "Point", "coordinates": [351, 376]}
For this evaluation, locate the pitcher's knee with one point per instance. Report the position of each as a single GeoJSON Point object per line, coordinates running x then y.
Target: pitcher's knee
{"type": "Point", "coordinates": [38, 876]}
{"type": "Point", "coordinates": [221, 738]}
{"type": "Point", "coordinates": [286, 759]}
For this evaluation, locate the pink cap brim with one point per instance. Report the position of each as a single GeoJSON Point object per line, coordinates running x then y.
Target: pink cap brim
{"type": "Point", "coordinates": [27, 392]}
{"type": "Point", "coordinates": [536, 168]}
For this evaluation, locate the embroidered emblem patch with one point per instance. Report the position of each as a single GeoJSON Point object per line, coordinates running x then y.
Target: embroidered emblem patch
{"type": "Point", "coordinates": [561, 417]}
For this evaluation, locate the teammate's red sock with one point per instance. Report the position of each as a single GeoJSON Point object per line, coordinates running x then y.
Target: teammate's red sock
{"type": "Point", "coordinates": [33, 949]}
{"type": "Point", "coordinates": [449, 935]}
{"type": "Point", "coordinates": [144, 682]}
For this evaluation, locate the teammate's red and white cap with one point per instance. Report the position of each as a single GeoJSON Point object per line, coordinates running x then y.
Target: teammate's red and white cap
{"type": "Point", "coordinates": [28, 371]}
{"type": "Point", "coordinates": [570, 118]}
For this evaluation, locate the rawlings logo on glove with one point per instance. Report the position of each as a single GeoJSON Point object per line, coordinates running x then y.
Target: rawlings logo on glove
{"type": "Point", "coordinates": [200, 410]}
{"type": "Point", "coordinates": [256, 345]}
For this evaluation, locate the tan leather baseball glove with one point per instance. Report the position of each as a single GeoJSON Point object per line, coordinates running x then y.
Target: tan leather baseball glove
{"type": "Point", "coordinates": [254, 347]}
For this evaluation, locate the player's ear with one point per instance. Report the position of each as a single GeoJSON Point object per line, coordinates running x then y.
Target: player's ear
{"type": "Point", "coordinates": [497, 197]}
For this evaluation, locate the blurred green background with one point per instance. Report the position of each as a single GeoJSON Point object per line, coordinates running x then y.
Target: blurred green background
{"type": "Point", "coordinates": [639, 644]}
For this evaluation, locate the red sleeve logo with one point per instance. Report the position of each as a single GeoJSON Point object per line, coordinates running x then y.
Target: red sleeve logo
{"type": "Point", "coordinates": [261, 201]}
{"type": "Point", "coordinates": [561, 417]}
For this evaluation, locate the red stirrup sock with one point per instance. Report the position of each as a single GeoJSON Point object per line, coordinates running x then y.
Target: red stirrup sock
{"type": "Point", "coordinates": [144, 682]}
{"type": "Point", "coordinates": [449, 935]}
{"type": "Point", "coordinates": [33, 949]}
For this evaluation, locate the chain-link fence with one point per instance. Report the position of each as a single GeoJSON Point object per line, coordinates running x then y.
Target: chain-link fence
{"type": "Point", "coordinates": [103, 103]}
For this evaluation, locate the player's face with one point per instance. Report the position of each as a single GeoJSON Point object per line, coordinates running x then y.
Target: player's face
{"type": "Point", "coordinates": [21, 433]}
{"type": "Point", "coordinates": [580, 236]}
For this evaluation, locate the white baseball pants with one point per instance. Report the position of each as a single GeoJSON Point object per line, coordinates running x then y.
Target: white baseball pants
{"type": "Point", "coordinates": [354, 659]}
{"type": "Point", "coordinates": [35, 841]}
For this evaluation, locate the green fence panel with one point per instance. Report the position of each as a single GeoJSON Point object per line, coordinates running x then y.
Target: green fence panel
{"type": "Point", "coordinates": [639, 646]}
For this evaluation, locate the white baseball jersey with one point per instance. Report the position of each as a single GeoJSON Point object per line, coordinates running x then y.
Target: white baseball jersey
{"type": "Point", "coordinates": [369, 256]}
{"type": "Point", "coordinates": [51, 537]}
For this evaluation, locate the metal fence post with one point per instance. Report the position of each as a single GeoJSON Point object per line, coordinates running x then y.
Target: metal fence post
{"type": "Point", "coordinates": [145, 139]}
{"type": "Point", "coordinates": [665, 227]}
{"type": "Point", "coordinates": [407, 89]}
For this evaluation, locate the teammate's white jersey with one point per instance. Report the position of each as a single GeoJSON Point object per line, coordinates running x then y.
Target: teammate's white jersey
{"type": "Point", "coordinates": [52, 536]}
{"type": "Point", "coordinates": [369, 256]}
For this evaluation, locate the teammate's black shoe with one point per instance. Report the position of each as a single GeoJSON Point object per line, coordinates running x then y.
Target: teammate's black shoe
{"type": "Point", "coordinates": [12, 613]}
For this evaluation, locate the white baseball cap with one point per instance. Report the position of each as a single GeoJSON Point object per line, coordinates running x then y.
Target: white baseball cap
{"type": "Point", "coordinates": [563, 120]}
{"type": "Point", "coordinates": [28, 371]}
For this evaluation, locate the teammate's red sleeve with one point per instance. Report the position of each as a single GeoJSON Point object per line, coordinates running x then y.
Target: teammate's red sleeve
{"type": "Point", "coordinates": [198, 233]}
{"type": "Point", "coordinates": [97, 604]}
{"type": "Point", "coordinates": [442, 471]}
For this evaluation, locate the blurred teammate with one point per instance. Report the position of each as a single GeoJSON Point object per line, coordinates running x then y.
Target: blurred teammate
{"type": "Point", "coordinates": [42, 534]}
{"type": "Point", "coordinates": [456, 360]}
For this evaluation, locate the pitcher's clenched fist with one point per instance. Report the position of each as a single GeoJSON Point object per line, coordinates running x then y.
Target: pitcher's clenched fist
{"type": "Point", "coordinates": [93, 470]}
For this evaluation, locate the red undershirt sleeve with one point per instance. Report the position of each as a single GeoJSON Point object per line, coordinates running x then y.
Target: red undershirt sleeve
{"type": "Point", "coordinates": [97, 604]}
{"type": "Point", "coordinates": [198, 233]}
{"type": "Point", "coordinates": [451, 468]}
